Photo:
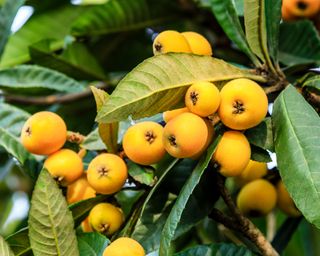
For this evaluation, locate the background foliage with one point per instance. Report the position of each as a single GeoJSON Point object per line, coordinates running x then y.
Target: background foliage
{"type": "Point", "coordinates": [64, 48]}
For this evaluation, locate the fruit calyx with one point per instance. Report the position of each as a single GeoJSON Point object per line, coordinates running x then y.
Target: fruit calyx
{"type": "Point", "coordinates": [150, 137]}
{"type": "Point", "coordinates": [238, 107]}
{"type": "Point", "coordinates": [103, 171]}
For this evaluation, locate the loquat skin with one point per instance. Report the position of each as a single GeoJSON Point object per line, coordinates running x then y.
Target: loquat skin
{"type": "Point", "coordinates": [208, 141]}
{"type": "Point", "coordinates": [202, 98]}
{"type": "Point", "coordinates": [85, 225]}
{"type": "Point", "coordinates": [254, 170]}
{"type": "Point", "coordinates": [170, 41]}
{"type": "Point", "coordinates": [44, 133]}
{"type": "Point", "coordinates": [285, 202]}
{"type": "Point", "coordinates": [65, 166]}
{"type": "Point", "coordinates": [244, 104]}
{"type": "Point", "coordinates": [170, 114]}
{"type": "Point", "coordinates": [185, 135]}
{"type": "Point", "coordinates": [257, 198]}
{"type": "Point", "coordinates": [301, 8]}
{"type": "Point", "coordinates": [107, 173]}
{"type": "Point", "coordinates": [80, 190]}
{"type": "Point", "coordinates": [232, 153]}
{"type": "Point", "coordinates": [124, 246]}
{"type": "Point", "coordinates": [198, 43]}
{"type": "Point", "coordinates": [286, 14]}
{"type": "Point", "coordinates": [106, 218]}
{"type": "Point", "coordinates": [142, 143]}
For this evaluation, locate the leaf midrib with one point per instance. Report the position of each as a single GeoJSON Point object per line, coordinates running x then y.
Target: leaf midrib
{"type": "Point", "coordinates": [52, 224]}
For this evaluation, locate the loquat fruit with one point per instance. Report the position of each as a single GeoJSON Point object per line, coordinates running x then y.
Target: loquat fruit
{"type": "Point", "coordinates": [202, 98]}
{"type": "Point", "coordinates": [257, 198]}
{"type": "Point", "coordinates": [185, 135]}
{"type": "Point", "coordinates": [65, 166]}
{"type": "Point", "coordinates": [301, 8]}
{"type": "Point", "coordinates": [106, 218]}
{"type": "Point", "coordinates": [243, 105]}
{"type": "Point", "coordinates": [124, 246]}
{"type": "Point", "coordinates": [107, 173]}
{"type": "Point", "coordinates": [170, 41]}
{"type": "Point", "coordinates": [170, 114]}
{"type": "Point", "coordinates": [142, 143]}
{"type": "Point", "coordinates": [254, 170]}
{"type": "Point", "coordinates": [80, 190]}
{"type": "Point", "coordinates": [232, 153]}
{"type": "Point", "coordinates": [198, 43]}
{"type": "Point", "coordinates": [44, 133]}
{"type": "Point", "coordinates": [285, 202]}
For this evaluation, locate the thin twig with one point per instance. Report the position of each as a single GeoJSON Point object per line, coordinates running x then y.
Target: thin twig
{"type": "Point", "coordinates": [274, 88]}
{"type": "Point", "coordinates": [51, 99]}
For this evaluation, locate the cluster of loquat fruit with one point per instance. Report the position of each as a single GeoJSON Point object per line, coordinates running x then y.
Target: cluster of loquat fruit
{"type": "Point", "coordinates": [45, 133]}
{"type": "Point", "coordinates": [240, 104]}
{"type": "Point", "coordinates": [299, 9]}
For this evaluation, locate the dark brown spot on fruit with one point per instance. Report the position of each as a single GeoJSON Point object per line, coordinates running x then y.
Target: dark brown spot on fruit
{"type": "Point", "coordinates": [104, 228]}
{"type": "Point", "coordinates": [28, 131]}
{"type": "Point", "coordinates": [158, 47]}
{"type": "Point", "coordinates": [150, 137]}
{"type": "Point", "coordinates": [238, 107]}
{"type": "Point", "coordinates": [302, 5]}
{"type": "Point", "coordinates": [103, 171]}
{"type": "Point", "coordinates": [194, 96]}
{"type": "Point", "coordinates": [172, 140]}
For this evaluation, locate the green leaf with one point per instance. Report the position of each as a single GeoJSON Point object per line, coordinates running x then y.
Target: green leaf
{"type": "Point", "coordinates": [149, 226]}
{"type": "Point", "coordinates": [284, 233]}
{"type": "Point", "coordinates": [54, 24]}
{"type": "Point", "coordinates": [93, 141]}
{"type": "Point", "coordinates": [142, 174]}
{"type": "Point", "coordinates": [216, 249]}
{"type": "Point", "coordinates": [160, 83]}
{"type": "Point", "coordinates": [313, 83]}
{"type": "Point", "coordinates": [297, 132]}
{"type": "Point", "coordinates": [273, 18]}
{"type": "Point", "coordinates": [7, 13]}
{"type": "Point", "coordinates": [255, 24]}
{"type": "Point", "coordinates": [19, 243]}
{"type": "Point", "coordinates": [28, 77]}
{"type": "Point", "coordinates": [81, 209]}
{"type": "Point", "coordinates": [259, 154]}
{"type": "Point", "coordinates": [4, 248]}
{"type": "Point", "coordinates": [227, 17]}
{"type": "Point", "coordinates": [12, 118]}
{"type": "Point", "coordinates": [119, 16]}
{"type": "Point", "coordinates": [92, 244]}
{"type": "Point", "coordinates": [107, 132]}
{"type": "Point", "coordinates": [174, 218]}
{"type": "Point", "coordinates": [50, 221]}
{"type": "Point", "coordinates": [128, 199]}
{"type": "Point", "coordinates": [76, 60]}
{"type": "Point", "coordinates": [261, 135]}
{"type": "Point", "coordinates": [299, 43]}
{"type": "Point", "coordinates": [13, 146]}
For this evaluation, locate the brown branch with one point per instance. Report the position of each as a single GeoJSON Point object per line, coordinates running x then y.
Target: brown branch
{"type": "Point", "coordinates": [275, 88]}
{"type": "Point", "coordinates": [240, 223]}
{"type": "Point", "coordinates": [51, 99]}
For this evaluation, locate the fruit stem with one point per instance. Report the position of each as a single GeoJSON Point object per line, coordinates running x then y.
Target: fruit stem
{"type": "Point", "coordinates": [75, 137]}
